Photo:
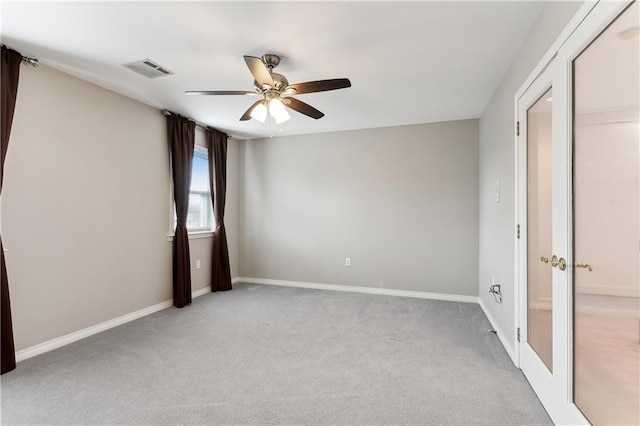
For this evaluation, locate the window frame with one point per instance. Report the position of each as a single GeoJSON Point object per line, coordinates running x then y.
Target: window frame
{"type": "Point", "coordinates": [200, 232]}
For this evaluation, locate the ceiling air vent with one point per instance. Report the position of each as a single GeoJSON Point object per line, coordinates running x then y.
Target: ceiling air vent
{"type": "Point", "coordinates": [148, 68]}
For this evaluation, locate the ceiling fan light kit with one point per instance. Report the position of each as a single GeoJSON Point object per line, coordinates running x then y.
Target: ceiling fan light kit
{"type": "Point", "coordinates": [276, 91]}
{"type": "Point", "coordinates": [277, 111]}
{"type": "Point", "coordinates": [259, 112]}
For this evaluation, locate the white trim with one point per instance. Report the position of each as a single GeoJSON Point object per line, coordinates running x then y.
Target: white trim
{"type": "Point", "coordinates": [499, 333]}
{"type": "Point", "coordinates": [577, 19]}
{"type": "Point", "coordinates": [520, 226]}
{"type": "Point", "coordinates": [194, 235]}
{"type": "Point", "coordinates": [391, 292]}
{"type": "Point", "coordinates": [58, 342]}
{"type": "Point", "coordinates": [542, 83]}
{"type": "Point", "coordinates": [89, 331]}
{"type": "Point", "coordinates": [201, 292]}
{"type": "Point", "coordinates": [366, 290]}
{"type": "Point", "coordinates": [200, 143]}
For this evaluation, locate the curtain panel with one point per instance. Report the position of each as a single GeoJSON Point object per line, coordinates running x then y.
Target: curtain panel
{"type": "Point", "coordinates": [9, 75]}
{"type": "Point", "coordinates": [220, 270]}
{"type": "Point", "coordinates": [181, 145]}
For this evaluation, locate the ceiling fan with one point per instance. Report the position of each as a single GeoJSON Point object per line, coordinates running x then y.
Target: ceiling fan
{"type": "Point", "coordinates": [275, 91]}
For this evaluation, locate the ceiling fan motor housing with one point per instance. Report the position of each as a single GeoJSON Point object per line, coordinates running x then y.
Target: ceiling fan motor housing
{"type": "Point", "coordinates": [279, 80]}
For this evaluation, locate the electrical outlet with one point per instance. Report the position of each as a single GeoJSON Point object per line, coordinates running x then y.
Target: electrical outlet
{"type": "Point", "coordinates": [197, 264]}
{"type": "Point", "coordinates": [347, 261]}
{"type": "Point", "coordinates": [495, 291]}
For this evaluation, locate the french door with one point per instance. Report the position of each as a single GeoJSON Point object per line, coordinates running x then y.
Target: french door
{"type": "Point", "coordinates": [545, 291]}
{"type": "Point", "coordinates": [578, 190]}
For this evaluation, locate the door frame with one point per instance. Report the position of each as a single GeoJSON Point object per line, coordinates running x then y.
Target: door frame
{"type": "Point", "coordinates": [543, 378]}
{"type": "Point", "coordinates": [518, 192]}
{"type": "Point", "coordinates": [590, 20]}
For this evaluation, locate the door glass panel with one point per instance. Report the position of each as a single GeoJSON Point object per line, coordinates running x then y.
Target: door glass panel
{"type": "Point", "coordinates": [606, 222]}
{"type": "Point", "coordinates": [539, 271]}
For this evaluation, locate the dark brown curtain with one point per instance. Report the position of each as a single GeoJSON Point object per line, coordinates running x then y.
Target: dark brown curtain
{"type": "Point", "coordinates": [181, 144]}
{"type": "Point", "coordinates": [220, 270]}
{"type": "Point", "coordinates": [9, 74]}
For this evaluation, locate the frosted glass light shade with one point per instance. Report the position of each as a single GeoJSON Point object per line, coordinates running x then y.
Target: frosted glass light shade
{"type": "Point", "coordinates": [278, 111]}
{"type": "Point", "coordinates": [259, 112]}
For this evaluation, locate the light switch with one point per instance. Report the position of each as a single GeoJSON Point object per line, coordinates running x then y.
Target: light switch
{"type": "Point", "coordinates": [496, 192]}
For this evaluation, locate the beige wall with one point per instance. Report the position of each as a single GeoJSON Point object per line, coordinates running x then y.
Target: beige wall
{"type": "Point", "coordinates": [401, 202]}
{"type": "Point", "coordinates": [85, 207]}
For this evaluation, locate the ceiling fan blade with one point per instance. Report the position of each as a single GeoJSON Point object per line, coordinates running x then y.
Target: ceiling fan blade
{"type": "Point", "coordinates": [247, 115]}
{"type": "Point", "coordinates": [220, 92]}
{"type": "Point", "coordinates": [318, 86]}
{"type": "Point", "coordinates": [303, 108]}
{"type": "Point", "coordinates": [259, 71]}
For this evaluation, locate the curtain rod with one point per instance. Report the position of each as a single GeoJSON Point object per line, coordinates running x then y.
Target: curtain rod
{"type": "Point", "coordinates": [27, 60]}
{"type": "Point", "coordinates": [31, 61]}
{"type": "Point", "coordinates": [198, 123]}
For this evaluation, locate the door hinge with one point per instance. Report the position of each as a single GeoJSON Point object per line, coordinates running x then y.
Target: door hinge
{"type": "Point", "coordinates": [517, 128]}
{"type": "Point", "coordinates": [518, 334]}
{"type": "Point", "coordinates": [518, 231]}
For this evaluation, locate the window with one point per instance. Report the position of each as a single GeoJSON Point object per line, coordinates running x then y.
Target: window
{"type": "Point", "coordinates": [200, 213]}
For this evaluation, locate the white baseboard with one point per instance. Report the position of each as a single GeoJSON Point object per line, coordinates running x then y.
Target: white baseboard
{"type": "Point", "coordinates": [367, 290]}
{"type": "Point", "coordinates": [201, 292]}
{"type": "Point", "coordinates": [390, 292]}
{"type": "Point", "coordinates": [501, 336]}
{"type": "Point", "coordinates": [58, 342]}
{"type": "Point", "coordinates": [90, 331]}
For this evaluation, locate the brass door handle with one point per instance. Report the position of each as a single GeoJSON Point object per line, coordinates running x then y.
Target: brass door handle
{"type": "Point", "coordinates": [559, 263]}
{"type": "Point", "coordinates": [544, 259]}
{"type": "Point", "coordinates": [584, 265]}
{"type": "Point", "coordinates": [562, 264]}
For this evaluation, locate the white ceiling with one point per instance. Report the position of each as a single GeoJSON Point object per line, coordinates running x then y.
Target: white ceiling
{"type": "Point", "coordinates": [408, 62]}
